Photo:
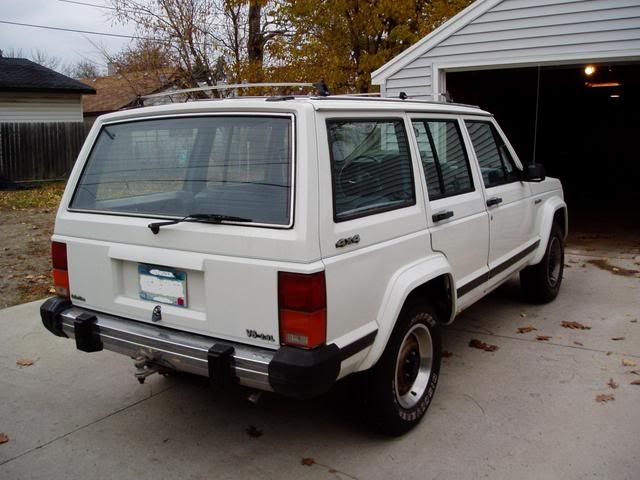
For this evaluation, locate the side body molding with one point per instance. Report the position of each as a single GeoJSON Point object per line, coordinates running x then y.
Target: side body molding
{"type": "Point", "coordinates": [399, 288]}
{"type": "Point", "coordinates": [544, 223]}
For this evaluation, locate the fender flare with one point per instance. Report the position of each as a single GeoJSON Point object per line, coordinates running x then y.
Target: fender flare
{"type": "Point", "coordinates": [545, 222]}
{"type": "Point", "coordinates": [398, 289]}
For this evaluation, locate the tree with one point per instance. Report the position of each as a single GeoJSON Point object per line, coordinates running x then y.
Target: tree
{"type": "Point", "coordinates": [82, 69]}
{"type": "Point", "coordinates": [343, 41]}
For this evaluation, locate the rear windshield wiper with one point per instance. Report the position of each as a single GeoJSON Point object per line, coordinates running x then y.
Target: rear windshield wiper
{"type": "Point", "coordinates": [198, 217]}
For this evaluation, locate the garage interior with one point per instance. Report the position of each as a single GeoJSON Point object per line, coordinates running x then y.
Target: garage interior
{"type": "Point", "coordinates": [582, 122]}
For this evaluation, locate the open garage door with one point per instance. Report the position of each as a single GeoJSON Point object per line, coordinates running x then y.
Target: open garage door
{"type": "Point", "coordinates": [582, 124]}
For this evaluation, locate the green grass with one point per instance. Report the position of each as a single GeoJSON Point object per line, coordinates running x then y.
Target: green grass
{"type": "Point", "coordinates": [46, 196]}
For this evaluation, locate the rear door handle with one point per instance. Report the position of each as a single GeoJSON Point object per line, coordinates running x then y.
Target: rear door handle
{"type": "Point", "coordinates": [494, 201]}
{"type": "Point", "coordinates": [437, 217]}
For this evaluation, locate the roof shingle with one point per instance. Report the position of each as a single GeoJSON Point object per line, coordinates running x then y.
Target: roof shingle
{"type": "Point", "coordinates": [22, 75]}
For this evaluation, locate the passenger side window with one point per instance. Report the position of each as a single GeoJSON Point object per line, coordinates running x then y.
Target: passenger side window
{"type": "Point", "coordinates": [444, 158]}
{"type": "Point", "coordinates": [371, 167]}
{"type": "Point", "coordinates": [496, 164]}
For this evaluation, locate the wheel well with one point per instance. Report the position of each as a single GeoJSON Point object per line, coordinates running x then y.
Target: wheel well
{"type": "Point", "coordinates": [560, 217]}
{"type": "Point", "coordinates": [438, 292]}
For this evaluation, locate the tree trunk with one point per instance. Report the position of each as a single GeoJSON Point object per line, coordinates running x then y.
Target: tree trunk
{"type": "Point", "coordinates": [255, 42]}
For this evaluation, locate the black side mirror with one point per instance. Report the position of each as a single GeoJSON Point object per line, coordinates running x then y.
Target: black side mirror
{"type": "Point", "coordinates": [533, 172]}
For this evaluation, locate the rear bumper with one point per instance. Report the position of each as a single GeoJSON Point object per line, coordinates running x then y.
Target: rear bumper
{"type": "Point", "coordinates": [288, 371]}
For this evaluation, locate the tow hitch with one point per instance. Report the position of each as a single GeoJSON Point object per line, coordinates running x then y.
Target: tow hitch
{"type": "Point", "coordinates": [145, 366]}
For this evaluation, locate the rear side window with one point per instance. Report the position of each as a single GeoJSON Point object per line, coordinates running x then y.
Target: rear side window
{"type": "Point", "coordinates": [496, 164]}
{"type": "Point", "coordinates": [371, 166]}
{"type": "Point", "coordinates": [444, 158]}
{"type": "Point", "coordinates": [224, 165]}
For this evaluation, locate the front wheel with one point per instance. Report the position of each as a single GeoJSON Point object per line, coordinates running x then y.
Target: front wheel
{"type": "Point", "coordinates": [541, 283]}
{"type": "Point", "coordinates": [401, 385]}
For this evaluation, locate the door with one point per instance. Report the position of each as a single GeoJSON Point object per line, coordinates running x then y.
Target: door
{"type": "Point", "coordinates": [507, 197]}
{"type": "Point", "coordinates": [458, 219]}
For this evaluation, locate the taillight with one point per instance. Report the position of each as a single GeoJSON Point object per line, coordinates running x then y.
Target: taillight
{"type": "Point", "coordinates": [60, 269]}
{"type": "Point", "coordinates": [302, 305]}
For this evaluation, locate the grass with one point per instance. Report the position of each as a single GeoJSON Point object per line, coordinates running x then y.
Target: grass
{"type": "Point", "coordinates": [44, 196]}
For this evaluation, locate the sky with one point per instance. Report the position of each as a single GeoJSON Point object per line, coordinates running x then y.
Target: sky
{"type": "Point", "coordinates": [68, 47]}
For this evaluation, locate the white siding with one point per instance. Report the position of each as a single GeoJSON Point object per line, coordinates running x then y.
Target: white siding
{"type": "Point", "coordinates": [527, 32]}
{"type": "Point", "coordinates": [23, 108]}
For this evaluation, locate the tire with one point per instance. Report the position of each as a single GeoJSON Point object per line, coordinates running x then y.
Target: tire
{"type": "Point", "coordinates": [399, 388]}
{"type": "Point", "coordinates": [541, 283]}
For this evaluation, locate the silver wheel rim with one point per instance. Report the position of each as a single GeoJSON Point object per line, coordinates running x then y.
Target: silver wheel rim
{"type": "Point", "coordinates": [413, 366]}
{"type": "Point", "coordinates": [555, 261]}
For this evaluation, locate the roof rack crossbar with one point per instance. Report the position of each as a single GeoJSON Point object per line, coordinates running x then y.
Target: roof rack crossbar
{"type": "Point", "coordinates": [230, 86]}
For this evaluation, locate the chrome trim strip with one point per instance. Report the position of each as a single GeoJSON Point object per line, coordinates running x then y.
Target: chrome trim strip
{"type": "Point", "coordinates": [174, 349]}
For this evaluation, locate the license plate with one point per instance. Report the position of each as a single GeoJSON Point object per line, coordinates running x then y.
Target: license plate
{"type": "Point", "coordinates": [163, 285]}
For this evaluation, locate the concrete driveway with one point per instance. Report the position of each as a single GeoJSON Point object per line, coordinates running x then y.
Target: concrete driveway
{"type": "Point", "coordinates": [527, 410]}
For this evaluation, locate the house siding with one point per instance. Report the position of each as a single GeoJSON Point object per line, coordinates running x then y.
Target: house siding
{"type": "Point", "coordinates": [37, 108]}
{"type": "Point", "coordinates": [520, 32]}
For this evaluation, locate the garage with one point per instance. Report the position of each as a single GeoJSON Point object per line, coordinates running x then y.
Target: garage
{"type": "Point", "coordinates": [563, 79]}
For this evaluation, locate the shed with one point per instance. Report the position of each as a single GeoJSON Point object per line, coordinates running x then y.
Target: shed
{"type": "Point", "coordinates": [41, 128]}
{"type": "Point", "coordinates": [561, 76]}
{"type": "Point", "coordinates": [32, 93]}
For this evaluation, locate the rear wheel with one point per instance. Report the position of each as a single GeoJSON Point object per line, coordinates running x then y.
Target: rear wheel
{"type": "Point", "coordinates": [400, 386]}
{"type": "Point", "coordinates": [541, 283]}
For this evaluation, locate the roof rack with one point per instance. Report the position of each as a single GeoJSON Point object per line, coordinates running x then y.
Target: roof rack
{"type": "Point", "coordinates": [322, 93]}
{"type": "Point", "coordinates": [231, 86]}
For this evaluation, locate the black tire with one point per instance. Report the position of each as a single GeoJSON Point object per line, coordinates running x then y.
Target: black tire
{"type": "Point", "coordinates": [541, 283]}
{"type": "Point", "coordinates": [391, 405]}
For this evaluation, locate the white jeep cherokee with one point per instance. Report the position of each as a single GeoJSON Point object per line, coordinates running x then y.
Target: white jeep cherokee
{"type": "Point", "coordinates": [284, 243]}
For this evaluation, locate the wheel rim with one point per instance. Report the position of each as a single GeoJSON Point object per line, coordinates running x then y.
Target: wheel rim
{"type": "Point", "coordinates": [555, 261]}
{"type": "Point", "coordinates": [413, 366]}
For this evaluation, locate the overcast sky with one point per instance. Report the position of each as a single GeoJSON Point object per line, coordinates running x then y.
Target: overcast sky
{"type": "Point", "coordinates": [68, 47]}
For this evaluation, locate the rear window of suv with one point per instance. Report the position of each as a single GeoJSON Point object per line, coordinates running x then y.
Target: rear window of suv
{"type": "Point", "coordinates": [223, 165]}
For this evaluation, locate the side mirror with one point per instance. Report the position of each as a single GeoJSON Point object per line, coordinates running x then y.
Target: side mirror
{"type": "Point", "coordinates": [533, 172]}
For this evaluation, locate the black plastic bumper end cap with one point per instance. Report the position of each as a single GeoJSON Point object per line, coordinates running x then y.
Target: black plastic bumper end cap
{"type": "Point", "coordinates": [87, 333]}
{"type": "Point", "coordinates": [50, 312]}
{"type": "Point", "coordinates": [304, 374]}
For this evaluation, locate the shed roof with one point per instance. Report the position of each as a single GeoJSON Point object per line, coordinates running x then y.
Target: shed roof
{"type": "Point", "coordinates": [122, 90]}
{"type": "Point", "coordinates": [22, 75]}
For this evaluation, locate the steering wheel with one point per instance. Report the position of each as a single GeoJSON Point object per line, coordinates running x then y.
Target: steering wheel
{"type": "Point", "coordinates": [356, 173]}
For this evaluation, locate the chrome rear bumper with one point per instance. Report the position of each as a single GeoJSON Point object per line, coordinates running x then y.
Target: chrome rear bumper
{"type": "Point", "coordinates": [289, 371]}
{"type": "Point", "coordinates": [173, 349]}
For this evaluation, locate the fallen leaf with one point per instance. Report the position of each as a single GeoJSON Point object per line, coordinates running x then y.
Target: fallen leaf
{"type": "Point", "coordinates": [527, 329]}
{"type": "Point", "coordinates": [3, 438]}
{"type": "Point", "coordinates": [24, 362]}
{"type": "Point", "coordinates": [523, 315]}
{"type": "Point", "coordinates": [612, 384]}
{"type": "Point", "coordinates": [308, 461]}
{"type": "Point", "coordinates": [615, 339]}
{"type": "Point", "coordinates": [482, 346]}
{"type": "Point", "coordinates": [28, 277]}
{"type": "Point", "coordinates": [635, 372]}
{"type": "Point", "coordinates": [635, 382]}
{"type": "Point", "coordinates": [628, 363]}
{"type": "Point", "coordinates": [543, 338]}
{"type": "Point", "coordinates": [605, 397]}
{"type": "Point", "coordinates": [578, 343]}
{"type": "Point", "coordinates": [52, 290]}
{"type": "Point", "coordinates": [446, 354]}
{"type": "Point", "coordinates": [252, 431]}
{"type": "Point", "coordinates": [574, 325]}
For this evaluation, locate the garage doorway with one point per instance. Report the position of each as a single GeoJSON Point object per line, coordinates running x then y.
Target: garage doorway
{"type": "Point", "coordinates": [583, 125]}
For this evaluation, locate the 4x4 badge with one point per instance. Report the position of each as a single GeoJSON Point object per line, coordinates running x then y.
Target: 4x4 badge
{"type": "Point", "coordinates": [156, 315]}
{"type": "Point", "coordinates": [343, 242]}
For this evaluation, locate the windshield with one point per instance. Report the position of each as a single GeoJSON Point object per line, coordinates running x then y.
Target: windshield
{"type": "Point", "coordinates": [237, 166]}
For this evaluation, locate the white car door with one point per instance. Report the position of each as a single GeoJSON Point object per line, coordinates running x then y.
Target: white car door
{"type": "Point", "coordinates": [508, 199]}
{"type": "Point", "coordinates": [458, 220]}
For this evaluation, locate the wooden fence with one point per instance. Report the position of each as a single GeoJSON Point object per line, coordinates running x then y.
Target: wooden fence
{"type": "Point", "coordinates": [39, 151]}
